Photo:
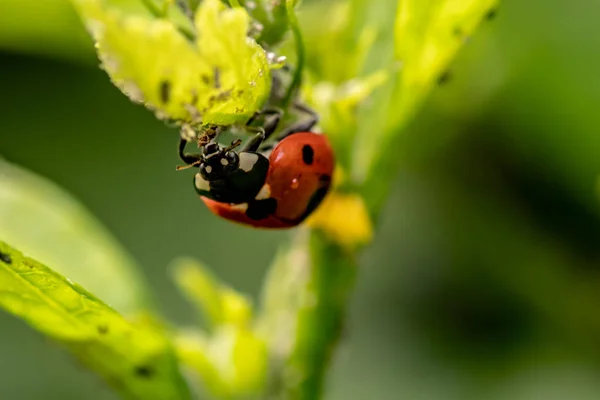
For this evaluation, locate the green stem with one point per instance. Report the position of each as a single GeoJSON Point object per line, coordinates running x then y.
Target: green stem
{"type": "Point", "coordinates": [319, 328]}
{"type": "Point", "coordinates": [300, 52]}
{"type": "Point", "coordinates": [234, 3]}
{"type": "Point", "coordinates": [308, 287]}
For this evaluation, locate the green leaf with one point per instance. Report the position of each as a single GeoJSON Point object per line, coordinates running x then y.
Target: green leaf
{"type": "Point", "coordinates": [232, 362]}
{"type": "Point", "coordinates": [47, 223]}
{"type": "Point", "coordinates": [135, 358]}
{"type": "Point", "coordinates": [220, 304]}
{"type": "Point", "coordinates": [427, 36]}
{"type": "Point", "coordinates": [200, 288]}
{"type": "Point", "coordinates": [351, 39]}
{"type": "Point", "coordinates": [221, 77]}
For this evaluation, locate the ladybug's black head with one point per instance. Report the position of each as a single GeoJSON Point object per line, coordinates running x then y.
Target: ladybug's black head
{"type": "Point", "coordinates": [218, 162]}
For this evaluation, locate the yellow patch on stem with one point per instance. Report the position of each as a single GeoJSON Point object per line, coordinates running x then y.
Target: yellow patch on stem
{"type": "Point", "coordinates": [344, 218]}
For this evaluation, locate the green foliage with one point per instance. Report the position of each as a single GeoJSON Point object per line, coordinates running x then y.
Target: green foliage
{"type": "Point", "coordinates": [220, 77]}
{"type": "Point", "coordinates": [69, 238]}
{"type": "Point", "coordinates": [311, 281]}
{"type": "Point", "coordinates": [219, 304]}
{"type": "Point", "coordinates": [272, 17]}
{"type": "Point", "coordinates": [427, 35]}
{"type": "Point", "coordinates": [230, 359]}
{"type": "Point", "coordinates": [210, 71]}
{"type": "Point", "coordinates": [230, 363]}
{"type": "Point", "coordinates": [135, 358]}
{"type": "Point", "coordinates": [304, 301]}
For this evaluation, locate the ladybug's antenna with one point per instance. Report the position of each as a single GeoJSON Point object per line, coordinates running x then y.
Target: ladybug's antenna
{"type": "Point", "coordinates": [182, 167]}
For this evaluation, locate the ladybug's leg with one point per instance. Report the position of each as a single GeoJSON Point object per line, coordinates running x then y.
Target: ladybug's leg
{"type": "Point", "coordinates": [265, 112]}
{"type": "Point", "coordinates": [306, 110]}
{"type": "Point", "coordinates": [263, 133]}
{"type": "Point", "coordinates": [185, 157]}
{"type": "Point", "coordinates": [272, 124]}
{"type": "Point", "coordinates": [301, 126]}
{"type": "Point", "coordinates": [255, 142]}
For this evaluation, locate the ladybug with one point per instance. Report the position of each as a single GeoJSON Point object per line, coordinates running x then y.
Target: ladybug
{"type": "Point", "coordinates": [261, 187]}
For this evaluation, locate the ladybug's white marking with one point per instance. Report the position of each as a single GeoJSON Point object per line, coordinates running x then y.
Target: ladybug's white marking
{"type": "Point", "coordinates": [208, 169]}
{"type": "Point", "coordinates": [241, 207]}
{"type": "Point", "coordinates": [265, 192]}
{"type": "Point", "coordinates": [224, 161]}
{"type": "Point", "coordinates": [247, 161]}
{"type": "Point", "coordinates": [201, 184]}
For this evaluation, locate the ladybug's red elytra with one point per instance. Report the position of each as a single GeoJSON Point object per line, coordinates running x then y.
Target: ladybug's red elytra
{"type": "Point", "coordinates": [264, 188]}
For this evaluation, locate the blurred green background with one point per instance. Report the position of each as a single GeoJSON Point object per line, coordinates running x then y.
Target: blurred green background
{"type": "Point", "coordinates": [484, 278]}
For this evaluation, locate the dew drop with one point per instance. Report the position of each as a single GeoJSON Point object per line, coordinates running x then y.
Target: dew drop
{"type": "Point", "coordinates": [275, 61]}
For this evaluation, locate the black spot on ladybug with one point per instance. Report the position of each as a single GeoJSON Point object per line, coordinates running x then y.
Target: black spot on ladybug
{"type": "Point", "coordinates": [261, 209]}
{"type": "Point", "coordinates": [6, 258]}
{"type": "Point", "coordinates": [325, 178]}
{"type": "Point", "coordinates": [165, 91]}
{"type": "Point", "coordinates": [308, 154]}
{"type": "Point", "coordinates": [102, 329]}
{"type": "Point", "coordinates": [205, 79]}
{"type": "Point", "coordinates": [315, 200]}
{"type": "Point", "coordinates": [144, 371]}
